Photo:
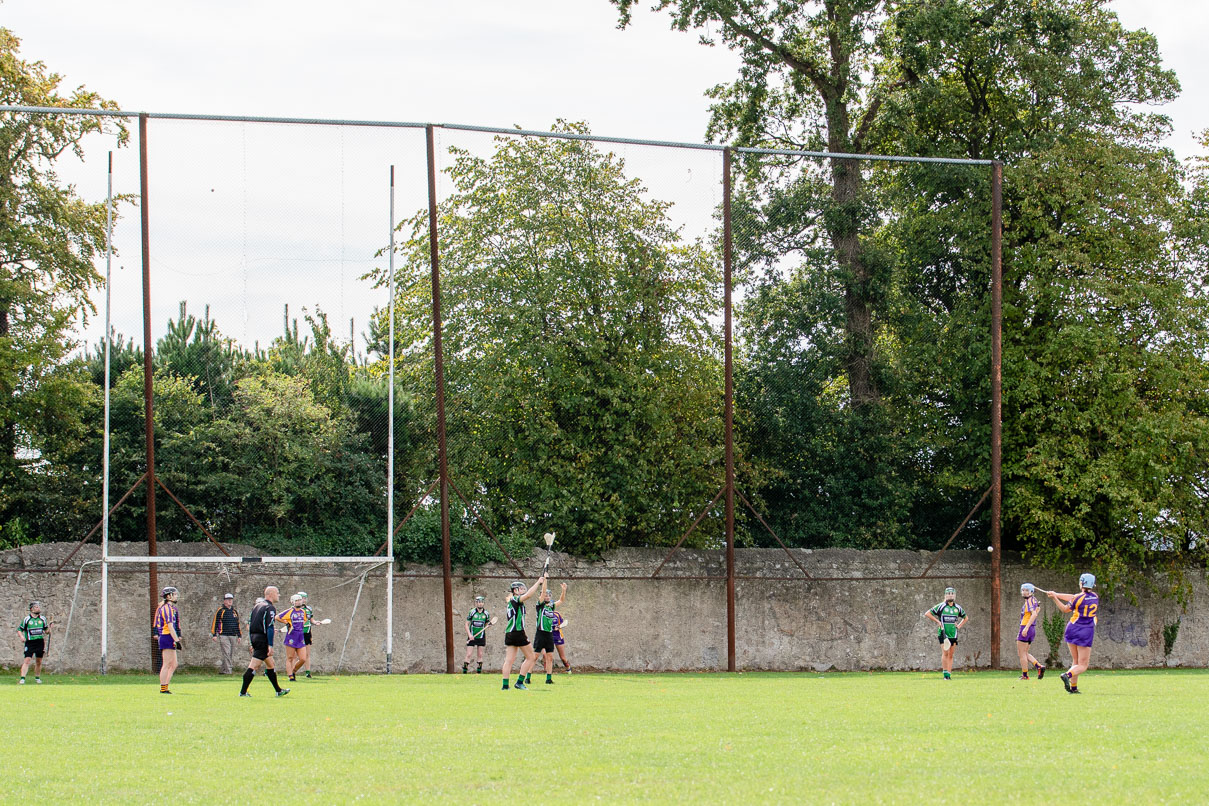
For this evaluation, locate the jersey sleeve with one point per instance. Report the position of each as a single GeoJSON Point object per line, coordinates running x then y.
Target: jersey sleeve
{"type": "Point", "coordinates": [936, 610]}
{"type": "Point", "coordinates": [961, 611]}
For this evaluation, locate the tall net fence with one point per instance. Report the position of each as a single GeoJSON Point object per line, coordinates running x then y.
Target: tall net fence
{"type": "Point", "coordinates": [589, 348]}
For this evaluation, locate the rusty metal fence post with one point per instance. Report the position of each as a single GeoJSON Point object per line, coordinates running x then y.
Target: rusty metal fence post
{"type": "Point", "coordinates": [729, 426]}
{"type": "Point", "coordinates": [439, 369]}
{"type": "Point", "coordinates": [996, 401]}
{"type": "Point", "coordinates": [148, 387]}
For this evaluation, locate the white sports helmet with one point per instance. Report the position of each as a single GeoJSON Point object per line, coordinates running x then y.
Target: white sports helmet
{"type": "Point", "coordinates": [296, 599]}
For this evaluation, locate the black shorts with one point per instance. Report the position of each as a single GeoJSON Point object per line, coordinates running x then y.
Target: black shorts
{"type": "Point", "coordinates": [543, 641]}
{"type": "Point", "coordinates": [260, 646]}
{"type": "Point", "coordinates": [306, 639]}
{"type": "Point", "coordinates": [35, 649]}
{"type": "Point", "coordinates": [940, 639]}
{"type": "Point", "coordinates": [480, 641]}
{"type": "Point", "coordinates": [516, 638]}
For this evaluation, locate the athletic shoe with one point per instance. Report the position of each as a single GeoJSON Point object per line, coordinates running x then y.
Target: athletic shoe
{"type": "Point", "coordinates": [38, 680]}
{"type": "Point", "coordinates": [1024, 676]}
{"type": "Point", "coordinates": [292, 679]}
{"type": "Point", "coordinates": [1066, 680]}
{"type": "Point", "coordinates": [1040, 671]}
{"type": "Point", "coordinates": [568, 671]}
{"type": "Point", "coordinates": [21, 682]}
{"type": "Point", "coordinates": [245, 694]}
{"type": "Point", "coordinates": [283, 692]}
{"type": "Point", "coordinates": [165, 691]}
{"type": "Point", "coordinates": [308, 675]}
{"type": "Point", "coordinates": [549, 682]}
{"type": "Point", "coordinates": [479, 670]}
{"type": "Point", "coordinates": [1075, 691]}
{"type": "Point", "coordinates": [947, 676]}
{"type": "Point", "coordinates": [521, 687]}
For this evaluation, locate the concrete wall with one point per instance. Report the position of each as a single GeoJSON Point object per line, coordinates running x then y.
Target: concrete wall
{"type": "Point", "coordinates": [625, 625]}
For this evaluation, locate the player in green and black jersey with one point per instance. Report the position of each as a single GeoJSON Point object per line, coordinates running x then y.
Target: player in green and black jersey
{"type": "Point", "coordinates": [34, 629]}
{"type": "Point", "coordinates": [543, 639]}
{"type": "Point", "coordinates": [514, 637]}
{"type": "Point", "coordinates": [949, 617]}
{"type": "Point", "coordinates": [477, 622]}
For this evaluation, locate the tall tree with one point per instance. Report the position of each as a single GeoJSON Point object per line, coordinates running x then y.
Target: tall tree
{"type": "Point", "coordinates": [49, 237]}
{"type": "Point", "coordinates": [582, 375]}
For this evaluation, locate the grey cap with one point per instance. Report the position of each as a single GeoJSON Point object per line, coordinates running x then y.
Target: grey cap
{"type": "Point", "coordinates": [228, 596]}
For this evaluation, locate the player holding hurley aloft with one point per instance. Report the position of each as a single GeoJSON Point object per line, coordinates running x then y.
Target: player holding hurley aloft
{"type": "Point", "coordinates": [515, 638]}
{"type": "Point", "coordinates": [477, 622]}
{"type": "Point", "coordinates": [950, 617]}
{"type": "Point", "coordinates": [543, 638]}
{"type": "Point", "coordinates": [294, 621]}
{"type": "Point", "coordinates": [1030, 611]}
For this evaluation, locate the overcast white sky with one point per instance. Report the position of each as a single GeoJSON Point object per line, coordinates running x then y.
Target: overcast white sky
{"type": "Point", "coordinates": [490, 62]}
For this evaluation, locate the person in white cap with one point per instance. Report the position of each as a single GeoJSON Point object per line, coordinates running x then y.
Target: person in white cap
{"type": "Point", "coordinates": [227, 632]}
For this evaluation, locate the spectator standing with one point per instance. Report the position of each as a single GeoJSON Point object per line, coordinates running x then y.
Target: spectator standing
{"type": "Point", "coordinates": [226, 631]}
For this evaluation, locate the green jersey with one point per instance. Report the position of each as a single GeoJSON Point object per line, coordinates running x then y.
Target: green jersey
{"type": "Point", "coordinates": [306, 622]}
{"type": "Point", "coordinates": [516, 614]}
{"type": "Point", "coordinates": [949, 615]}
{"type": "Point", "coordinates": [33, 628]}
{"type": "Point", "coordinates": [478, 621]}
{"type": "Point", "coordinates": [545, 616]}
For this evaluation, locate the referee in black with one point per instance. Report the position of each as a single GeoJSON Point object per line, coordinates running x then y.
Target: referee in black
{"type": "Point", "coordinates": [260, 635]}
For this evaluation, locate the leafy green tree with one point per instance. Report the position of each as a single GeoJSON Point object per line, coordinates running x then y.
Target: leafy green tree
{"type": "Point", "coordinates": [49, 237]}
{"type": "Point", "coordinates": [583, 382]}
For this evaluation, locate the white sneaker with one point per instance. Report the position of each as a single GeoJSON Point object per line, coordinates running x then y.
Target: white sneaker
{"type": "Point", "coordinates": [38, 680]}
{"type": "Point", "coordinates": [21, 682]}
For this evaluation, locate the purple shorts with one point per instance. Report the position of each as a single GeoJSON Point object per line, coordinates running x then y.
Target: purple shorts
{"type": "Point", "coordinates": [558, 639]}
{"type": "Point", "coordinates": [1080, 634]}
{"type": "Point", "coordinates": [166, 642]}
{"type": "Point", "coordinates": [1027, 636]}
{"type": "Point", "coordinates": [295, 640]}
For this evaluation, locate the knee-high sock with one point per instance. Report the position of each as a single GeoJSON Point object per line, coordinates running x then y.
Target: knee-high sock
{"type": "Point", "coordinates": [272, 675]}
{"type": "Point", "coordinates": [248, 676]}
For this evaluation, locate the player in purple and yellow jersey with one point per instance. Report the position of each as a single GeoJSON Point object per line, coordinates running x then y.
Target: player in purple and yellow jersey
{"type": "Point", "coordinates": [168, 632]}
{"type": "Point", "coordinates": [559, 623]}
{"type": "Point", "coordinates": [1081, 629]}
{"type": "Point", "coordinates": [295, 620]}
{"type": "Point", "coordinates": [1030, 611]}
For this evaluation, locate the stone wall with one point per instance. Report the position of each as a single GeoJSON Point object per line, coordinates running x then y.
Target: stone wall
{"type": "Point", "coordinates": [625, 625]}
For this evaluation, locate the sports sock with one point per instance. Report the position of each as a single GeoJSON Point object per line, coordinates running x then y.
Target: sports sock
{"type": "Point", "coordinates": [520, 678]}
{"type": "Point", "coordinates": [465, 666]}
{"type": "Point", "coordinates": [505, 682]}
{"type": "Point", "coordinates": [478, 669]}
{"type": "Point", "coordinates": [548, 680]}
{"type": "Point", "coordinates": [163, 686]}
{"type": "Point", "coordinates": [248, 677]}
{"type": "Point", "coordinates": [528, 678]}
{"type": "Point", "coordinates": [272, 675]}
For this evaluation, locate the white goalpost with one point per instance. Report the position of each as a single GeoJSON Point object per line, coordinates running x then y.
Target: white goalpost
{"type": "Point", "coordinates": [246, 562]}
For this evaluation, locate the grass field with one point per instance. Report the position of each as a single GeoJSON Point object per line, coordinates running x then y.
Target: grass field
{"type": "Point", "coordinates": [843, 738]}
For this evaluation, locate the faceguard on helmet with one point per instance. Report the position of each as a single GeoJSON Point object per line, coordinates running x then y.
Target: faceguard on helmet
{"type": "Point", "coordinates": [296, 599]}
{"type": "Point", "coordinates": [169, 591]}
{"type": "Point", "coordinates": [1028, 588]}
{"type": "Point", "coordinates": [35, 605]}
{"type": "Point", "coordinates": [517, 586]}
{"type": "Point", "coordinates": [950, 592]}
{"type": "Point", "coordinates": [480, 599]}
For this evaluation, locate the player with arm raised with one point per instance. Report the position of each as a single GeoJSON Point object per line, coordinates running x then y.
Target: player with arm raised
{"type": "Point", "coordinates": [167, 629]}
{"type": "Point", "coordinates": [1030, 611]}
{"type": "Point", "coordinates": [543, 637]}
{"type": "Point", "coordinates": [515, 637]}
{"type": "Point", "coordinates": [1081, 629]}
{"type": "Point", "coordinates": [293, 621]}
{"type": "Point", "coordinates": [951, 618]}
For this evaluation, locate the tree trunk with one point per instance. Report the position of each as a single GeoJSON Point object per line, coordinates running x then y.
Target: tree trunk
{"type": "Point", "coordinates": [843, 228]}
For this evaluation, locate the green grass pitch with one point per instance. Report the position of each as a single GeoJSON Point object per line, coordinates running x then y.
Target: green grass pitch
{"type": "Point", "coordinates": [802, 738]}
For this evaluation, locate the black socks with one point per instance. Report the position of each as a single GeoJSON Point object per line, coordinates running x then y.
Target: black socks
{"type": "Point", "coordinates": [248, 676]}
{"type": "Point", "coordinates": [272, 675]}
